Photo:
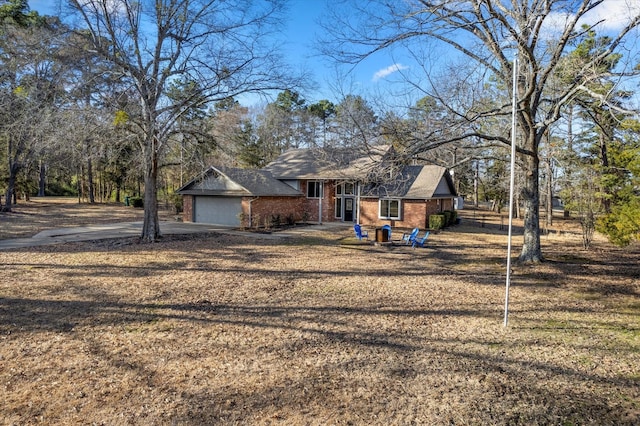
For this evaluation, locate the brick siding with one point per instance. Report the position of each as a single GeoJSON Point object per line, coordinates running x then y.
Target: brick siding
{"type": "Point", "coordinates": [414, 213]}
{"type": "Point", "coordinates": [263, 209]}
{"type": "Point", "coordinates": [187, 208]}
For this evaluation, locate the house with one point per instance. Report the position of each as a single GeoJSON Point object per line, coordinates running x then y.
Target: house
{"type": "Point", "coordinates": [319, 185]}
{"type": "Point", "coordinates": [229, 196]}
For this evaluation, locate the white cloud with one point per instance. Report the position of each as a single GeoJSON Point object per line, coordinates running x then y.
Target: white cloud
{"type": "Point", "coordinates": [388, 71]}
{"type": "Point", "coordinates": [614, 14]}
{"type": "Point", "coordinates": [608, 16]}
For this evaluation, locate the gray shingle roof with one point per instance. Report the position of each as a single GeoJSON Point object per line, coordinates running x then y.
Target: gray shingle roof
{"type": "Point", "coordinates": [237, 182]}
{"type": "Point", "coordinates": [325, 164]}
{"type": "Point", "coordinates": [410, 182]}
{"type": "Point", "coordinates": [414, 182]}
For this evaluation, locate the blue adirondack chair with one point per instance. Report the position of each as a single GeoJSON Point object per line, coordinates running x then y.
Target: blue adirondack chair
{"type": "Point", "coordinates": [388, 228]}
{"type": "Point", "coordinates": [409, 238]}
{"type": "Point", "coordinates": [419, 241]}
{"type": "Point", "coordinates": [360, 234]}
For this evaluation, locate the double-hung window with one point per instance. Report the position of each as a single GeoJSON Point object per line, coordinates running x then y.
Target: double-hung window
{"type": "Point", "coordinates": [314, 189]}
{"type": "Point", "coordinates": [389, 209]}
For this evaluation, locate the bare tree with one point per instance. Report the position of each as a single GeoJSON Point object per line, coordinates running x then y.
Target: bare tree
{"type": "Point", "coordinates": [30, 86]}
{"type": "Point", "coordinates": [222, 46]}
{"type": "Point", "coordinates": [488, 34]}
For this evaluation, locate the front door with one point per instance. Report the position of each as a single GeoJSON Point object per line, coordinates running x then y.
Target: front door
{"type": "Point", "coordinates": [348, 209]}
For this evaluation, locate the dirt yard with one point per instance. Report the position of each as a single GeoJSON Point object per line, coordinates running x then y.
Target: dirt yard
{"type": "Point", "coordinates": [315, 329]}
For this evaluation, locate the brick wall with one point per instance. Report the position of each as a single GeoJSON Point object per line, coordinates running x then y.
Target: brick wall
{"type": "Point", "coordinates": [187, 208]}
{"type": "Point", "coordinates": [264, 208]}
{"type": "Point", "coordinates": [311, 205]}
{"type": "Point", "coordinates": [414, 213]}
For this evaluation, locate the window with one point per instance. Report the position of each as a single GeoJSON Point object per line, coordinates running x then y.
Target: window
{"type": "Point", "coordinates": [338, 208]}
{"type": "Point", "coordinates": [314, 189]}
{"type": "Point", "coordinates": [348, 188]}
{"type": "Point", "coordinates": [345, 189]}
{"type": "Point", "coordinates": [389, 209]}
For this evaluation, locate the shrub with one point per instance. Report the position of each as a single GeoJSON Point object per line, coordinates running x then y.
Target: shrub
{"type": "Point", "coordinates": [447, 217]}
{"type": "Point", "coordinates": [176, 201]}
{"type": "Point", "coordinates": [437, 221]}
{"type": "Point", "coordinates": [137, 202]}
{"type": "Point", "coordinates": [452, 217]}
{"type": "Point", "coordinates": [276, 220]}
{"type": "Point", "coordinates": [244, 220]}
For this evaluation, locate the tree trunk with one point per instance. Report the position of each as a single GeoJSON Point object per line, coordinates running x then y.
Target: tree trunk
{"type": "Point", "coordinates": [10, 194]}
{"type": "Point", "coordinates": [549, 171]}
{"type": "Point", "coordinates": [605, 140]}
{"type": "Point", "coordinates": [11, 180]}
{"type": "Point", "coordinates": [476, 178]}
{"type": "Point", "coordinates": [531, 250]}
{"type": "Point", "coordinates": [81, 185]}
{"type": "Point", "coordinates": [90, 183]}
{"type": "Point", "coordinates": [42, 179]}
{"type": "Point", "coordinates": [151, 224]}
{"type": "Point", "coordinates": [11, 189]}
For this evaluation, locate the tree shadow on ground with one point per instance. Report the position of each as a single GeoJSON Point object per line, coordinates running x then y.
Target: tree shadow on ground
{"type": "Point", "coordinates": [402, 362]}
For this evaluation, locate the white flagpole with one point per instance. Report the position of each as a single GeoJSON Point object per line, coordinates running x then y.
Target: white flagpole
{"type": "Point", "coordinates": [514, 100]}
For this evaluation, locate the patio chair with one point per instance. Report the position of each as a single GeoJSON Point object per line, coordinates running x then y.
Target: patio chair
{"type": "Point", "coordinates": [388, 228]}
{"type": "Point", "coordinates": [419, 241]}
{"type": "Point", "coordinates": [409, 238]}
{"type": "Point", "coordinates": [360, 234]}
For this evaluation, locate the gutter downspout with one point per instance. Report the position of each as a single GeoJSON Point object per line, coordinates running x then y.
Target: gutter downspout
{"type": "Point", "coordinates": [320, 202]}
{"type": "Point", "coordinates": [358, 204]}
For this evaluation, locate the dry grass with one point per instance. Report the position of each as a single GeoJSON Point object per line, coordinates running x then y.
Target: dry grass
{"type": "Point", "coordinates": [221, 329]}
{"type": "Point", "coordinates": [39, 214]}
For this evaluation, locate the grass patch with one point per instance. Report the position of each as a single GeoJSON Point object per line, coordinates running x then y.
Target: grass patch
{"type": "Point", "coordinates": [227, 329]}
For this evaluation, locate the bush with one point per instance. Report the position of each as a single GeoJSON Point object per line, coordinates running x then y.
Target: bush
{"type": "Point", "coordinates": [244, 220]}
{"type": "Point", "coordinates": [137, 202]}
{"type": "Point", "coordinates": [452, 219]}
{"type": "Point", "coordinates": [447, 217]}
{"type": "Point", "coordinates": [276, 221]}
{"type": "Point", "coordinates": [176, 201]}
{"type": "Point", "coordinates": [437, 221]}
{"type": "Point", "coordinates": [60, 189]}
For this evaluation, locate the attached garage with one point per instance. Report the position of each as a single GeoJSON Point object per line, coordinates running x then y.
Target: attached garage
{"type": "Point", "coordinates": [217, 210]}
{"type": "Point", "coordinates": [216, 197]}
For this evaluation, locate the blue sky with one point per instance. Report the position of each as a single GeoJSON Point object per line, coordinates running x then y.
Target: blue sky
{"type": "Point", "coordinates": [377, 73]}
{"type": "Point", "coordinates": [300, 33]}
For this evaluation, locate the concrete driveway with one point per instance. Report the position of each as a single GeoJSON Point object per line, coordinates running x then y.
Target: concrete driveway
{"type": "Point", "coordinates": [132, 229]}
{"type": "Point", "coordinates": [101, 232]}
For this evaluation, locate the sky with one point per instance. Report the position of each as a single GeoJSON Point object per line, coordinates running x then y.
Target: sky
{"type": "Point", "coordinates": [300, 33]}
{"type": "Point", "coordinates": [375, 74]}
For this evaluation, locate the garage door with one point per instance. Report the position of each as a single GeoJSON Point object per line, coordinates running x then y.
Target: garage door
{"type": "Point", "coordinates": [218, 210]}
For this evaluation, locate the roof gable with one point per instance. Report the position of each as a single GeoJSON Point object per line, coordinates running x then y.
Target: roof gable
{"type": "Point", "coordinates": [237, 182]}
{"type": "Point", "coordinates": [414, 182]}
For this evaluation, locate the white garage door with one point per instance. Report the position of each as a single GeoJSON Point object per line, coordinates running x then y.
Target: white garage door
{"type": "Point", "coordinates": [218, 210]}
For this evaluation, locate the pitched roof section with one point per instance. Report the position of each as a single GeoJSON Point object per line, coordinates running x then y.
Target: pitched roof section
{"type": "Point", "coordinates": [233, 182]}
{"type": "Point", "coordinates": [335, 164]}
{"type": "Point", "coordinates": [415, 182]}
{"type": "Point", "coordinates": [410, 182]}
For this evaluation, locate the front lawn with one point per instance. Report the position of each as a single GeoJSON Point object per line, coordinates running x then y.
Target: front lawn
{"type": "Point", "coordinates": [221, 329]}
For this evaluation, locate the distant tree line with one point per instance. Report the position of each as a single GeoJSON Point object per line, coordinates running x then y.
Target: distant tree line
{"type": "Point", "coordinates": [99, 112]}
